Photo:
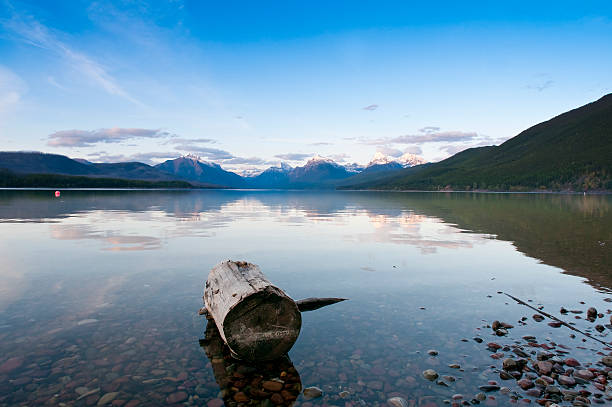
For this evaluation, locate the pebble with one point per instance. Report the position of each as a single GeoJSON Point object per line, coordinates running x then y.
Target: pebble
{"type": "Point", "coordinates": [544, 367]}
{"type": "Point", "coordinates": [89, 393]}
{"type": "Point", "coordinates": [312, 392]}
{"type": "Point", "coordinates": [584, 374]}
{"type": "Point", "coordinates": [510, 364]}
{"type": "Point", "coordinates": [430, 374]}
{"type": "Point", "coordinates": [215, 403]}
{"type": "Point", "coordinates": [240, 397]}
{"type": "Point", "coordinates": [538, 317]}
{"type": "Point", "coordinates": [525, 384]}
{"type": "Point", "coordinates": [272, 385]}
{"type": "Point", "coordinates": [397, 402]}
{"type": "Point", "coordinates": [607, 360]}
{"type": "Point", "coordinates": [87, 321]}
{"type": "Point", "coordinates": [493, 346]}
{"type": "Point", "coordinates": [432, 352]}
{"type": "Point", "coordinates": [107, 398]}
{"type": "Point", "coordinates": [10, 365]}
{"type": "Point", "coordinates": [176, 397]}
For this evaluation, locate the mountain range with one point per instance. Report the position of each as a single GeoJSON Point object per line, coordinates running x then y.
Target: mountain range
{"type": "Point", "coordinates": [572, 151]}
{"type": "Point", "coordinates": [317, 173]}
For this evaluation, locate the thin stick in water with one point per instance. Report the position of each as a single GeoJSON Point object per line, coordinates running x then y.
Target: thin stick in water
{"type": "Point", "coordinates": [546, 314]}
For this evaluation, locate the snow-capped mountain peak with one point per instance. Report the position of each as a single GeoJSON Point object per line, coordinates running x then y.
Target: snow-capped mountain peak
{"type": "Point", "coordinates": [197, 159]}
{"type": "Point", "coordinates": [317, 159]}
{"type": "Point", "coordinates": [193, 157]}
{"type": "Point", "coordinates": [406, 160]}
{"type": "Point", "coordinates": [410, 160]}
{"type": "Point", "coordinates": [380, 159]}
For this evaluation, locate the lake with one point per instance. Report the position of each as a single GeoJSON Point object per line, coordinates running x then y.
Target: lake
{"type": "Point", "coordinates": [100, 292]}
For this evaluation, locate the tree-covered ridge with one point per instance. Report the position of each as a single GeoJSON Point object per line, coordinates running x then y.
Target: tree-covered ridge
{"type": "Point", "coordinates": [9, 179]}
{"type": "Point", "coordinates": [572, 151]}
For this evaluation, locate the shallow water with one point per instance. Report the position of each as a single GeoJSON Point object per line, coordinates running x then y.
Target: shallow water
{"type": "Point", "coordinates": [100, 289]}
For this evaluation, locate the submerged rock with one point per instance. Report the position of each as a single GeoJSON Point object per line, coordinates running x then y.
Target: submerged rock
{"type": "Point", "coordinates": [489, 387]}
{"type": "Point", "coordinates": [525, 384]}
{"type": "Point", "coordinates": [397, 402]}
{"type": "Point", "coordinates": [607, 360]}
{"type": "Point", "coordinates": [107, 398]}
{"type": "Point", "coordinates": [10, 365]}
{"type": "Point", "coordinates": [430, 374]}
{"type": "Point", "coordinates": [584, 374]}
{"type": "Point", "coordinates": [312, 392]}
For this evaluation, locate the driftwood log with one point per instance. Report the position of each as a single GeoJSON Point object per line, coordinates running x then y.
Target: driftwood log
{"type": "Point", "coordinates": [256, 320]}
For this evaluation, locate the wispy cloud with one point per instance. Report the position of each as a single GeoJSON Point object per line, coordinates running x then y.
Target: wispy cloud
{"type": "Point", "coordinates": [425, 137]}
{"type": "Point", "coordinates": [340, 158]}
{"type": "Point", "coordinates": [30, 31]}
{"type": "Point", "coordinates": [294, 156]}
{"type": "Point", "coordinates": [180, 140]}
{"type": "Point", "coordinates": [541, 86]}
{"type": "Point", "coordinates": [429, 129]}
{"type": "Point", "coordinates": [87, 138]}
{"type": "Point", "coordinates": [413, 150]}
{"type": "Point", "coordinates": [321, 143]}
{"type": "Point", "coordinates": [246, 160]}
{"type": "Point", "coordinates": [11, 90]}
{"type": "Point", "coordinates": [540, 82]}
{"type": "Point", "coordinates": [212, 154]}
{"type": "Point", "coordinates": [55, 83]}
{"type": "Point", "coordinates": [370, 107]}
{"type": "Point", "coordinates": [147, 158]}
{"type": "Point", "coordinates": [386, 150]}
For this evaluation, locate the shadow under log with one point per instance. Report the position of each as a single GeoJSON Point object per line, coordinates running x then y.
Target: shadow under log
{"type": "Point", "coordinates": [268, 383]}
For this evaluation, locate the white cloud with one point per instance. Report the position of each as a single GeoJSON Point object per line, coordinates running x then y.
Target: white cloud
{"type": "Point", "coordinates": [294, 156]}
{"type": "Point", "coordinates": [147, 158]}
{"type": "Point", "coordinates": [428, 135]}
{"type": "Point", "coordinates": [413, 150]}
{"type": "Point", "coordinates": [87, 138]}
{"type": "Point", "coordinates": [386, 150]}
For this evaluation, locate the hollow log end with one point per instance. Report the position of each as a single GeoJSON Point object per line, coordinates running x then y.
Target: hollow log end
{"type": "Point", "coordinates": [263, 326]}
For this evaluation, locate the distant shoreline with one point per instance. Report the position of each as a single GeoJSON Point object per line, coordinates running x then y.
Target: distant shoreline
{"type": "Point", "coordinates": [305, 190]}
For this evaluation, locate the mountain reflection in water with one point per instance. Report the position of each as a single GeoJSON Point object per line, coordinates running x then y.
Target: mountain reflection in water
{"type": "Point", "coordinates": [571, 232]}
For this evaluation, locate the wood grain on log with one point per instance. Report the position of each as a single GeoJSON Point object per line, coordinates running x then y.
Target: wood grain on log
{"type": "Point", "coordinates": [256, 320]}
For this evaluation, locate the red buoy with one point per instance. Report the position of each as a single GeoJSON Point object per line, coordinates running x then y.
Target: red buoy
{"type": "Point", "coordinates": [57, 194]}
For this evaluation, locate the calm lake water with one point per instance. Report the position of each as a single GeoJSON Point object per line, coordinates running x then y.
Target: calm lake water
{"type": "Point", "coordinates": [99, 291]}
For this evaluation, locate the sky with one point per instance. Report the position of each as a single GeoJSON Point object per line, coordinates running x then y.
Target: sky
{"type": "Point", "coordinates": [250, 84]}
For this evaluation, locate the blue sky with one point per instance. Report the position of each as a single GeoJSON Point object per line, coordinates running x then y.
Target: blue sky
{"type": "Point", "coordinates": [248, 84]}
